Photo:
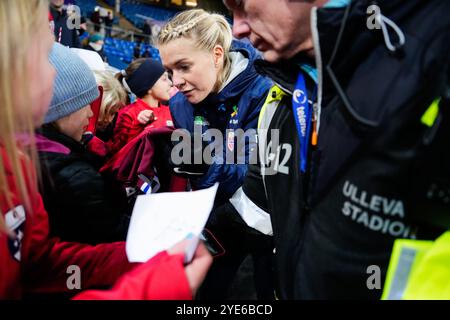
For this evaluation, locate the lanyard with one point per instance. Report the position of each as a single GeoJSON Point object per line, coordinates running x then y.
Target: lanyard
{"type": "Point", "coordinates": [303, 113]}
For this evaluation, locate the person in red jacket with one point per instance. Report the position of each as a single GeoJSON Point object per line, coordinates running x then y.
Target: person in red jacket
{"type": "Point", "coordinates": [31, 261]}
{"type": "Point", "coordinates": [147, 79]}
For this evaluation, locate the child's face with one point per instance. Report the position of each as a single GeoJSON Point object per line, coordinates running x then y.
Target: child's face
{"type": "Point", "coordinates": [161, 89]}
{"type": "Point", "coordinates": [75, 124]}
{"type": "Point", "coordinates": [194, 71]}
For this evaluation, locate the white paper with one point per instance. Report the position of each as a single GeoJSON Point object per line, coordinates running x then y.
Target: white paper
{"type": "Point", "coordinates": [161, 220]}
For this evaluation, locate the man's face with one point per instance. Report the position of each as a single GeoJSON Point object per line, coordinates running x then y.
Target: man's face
{"type": "Point", "coordinates": [278, 28]}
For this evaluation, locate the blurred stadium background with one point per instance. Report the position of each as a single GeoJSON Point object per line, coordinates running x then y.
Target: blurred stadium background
{"type": "Point", "coordinates": [127, 35]}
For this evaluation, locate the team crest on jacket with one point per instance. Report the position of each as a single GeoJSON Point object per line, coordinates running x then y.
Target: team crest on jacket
{"type": "Point", "coordinates": [233, 119]}
{"type": "Point", "coordinates": [15, 221]}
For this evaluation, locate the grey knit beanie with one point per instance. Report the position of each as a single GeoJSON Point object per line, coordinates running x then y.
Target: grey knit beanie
{"type": "Point", "coordinates": [74, 86]}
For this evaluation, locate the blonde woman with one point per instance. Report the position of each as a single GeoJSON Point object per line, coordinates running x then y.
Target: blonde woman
{"type": "Point", "coordinates": [29, 259]}
{"type": "Point", "coordinates": [218, 89]}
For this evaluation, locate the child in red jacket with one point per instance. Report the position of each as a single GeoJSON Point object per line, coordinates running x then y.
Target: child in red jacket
{"type": "Point", "coordinates": [147, 79]}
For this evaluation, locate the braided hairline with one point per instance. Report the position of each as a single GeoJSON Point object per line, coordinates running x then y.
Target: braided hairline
{"type": "Point", "coordinates": [170, 33]}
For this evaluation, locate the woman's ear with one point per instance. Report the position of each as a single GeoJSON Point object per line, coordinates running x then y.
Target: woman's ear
{"type": "Point", "coordinates": [218, 54]}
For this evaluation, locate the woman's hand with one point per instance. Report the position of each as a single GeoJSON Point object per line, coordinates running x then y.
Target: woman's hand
{"type": "Point", "coordinates": [146, 116]}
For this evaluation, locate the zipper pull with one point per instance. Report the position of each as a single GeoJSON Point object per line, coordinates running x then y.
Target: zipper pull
{"type": "Point", "coordinates": [314, 135]}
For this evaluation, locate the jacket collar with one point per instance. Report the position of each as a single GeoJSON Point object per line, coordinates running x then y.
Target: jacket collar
{"type": "Point", "coordinates": [285, 73]}
{"type": "Point", "coordinates": [52, 134]}
{"type": "Point", "coordinates": [243, 77]}
{"type": "Point", "coordinates": [145, 105]}
{"type": "Point", "coordinates": [44, 144]}
{"type": "Point", "coordinates": [238, 64]}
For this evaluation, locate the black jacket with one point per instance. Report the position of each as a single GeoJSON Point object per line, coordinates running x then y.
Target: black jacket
{"type": "Point", "coordinates": [378, 172]}
{"type": "Point", "coordinates": [82, 205]}
{"type": "Point", "coordinates": [64, 35]}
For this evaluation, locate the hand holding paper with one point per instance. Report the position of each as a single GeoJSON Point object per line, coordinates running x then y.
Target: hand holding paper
{"type": "Point", "coordinates": [160, 221]}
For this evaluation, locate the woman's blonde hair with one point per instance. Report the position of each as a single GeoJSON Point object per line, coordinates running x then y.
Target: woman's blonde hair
{"type": "Point", "coordinates": [17, 17]}
{"type": "Point", "coordinates": [114, 97]}
{"type": "Point", "coordinates": [206, 30]}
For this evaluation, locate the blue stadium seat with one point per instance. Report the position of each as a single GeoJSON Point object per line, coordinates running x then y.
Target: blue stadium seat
{"type": "Point", "coordinates": [123, 51]}
{"type": "Point", "coordinates": [131, 9]}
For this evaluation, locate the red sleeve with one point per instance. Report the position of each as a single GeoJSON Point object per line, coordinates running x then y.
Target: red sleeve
{"type": "Point", "coordinates": [161, 278]}
{"type": "Point", "coordinates": [121, 132]}
{"type": "Point", "coordinates": [46, 260]}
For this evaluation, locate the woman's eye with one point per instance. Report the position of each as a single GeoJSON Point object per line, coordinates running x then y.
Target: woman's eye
{"type": "Point", "coordinates": [184, 67]}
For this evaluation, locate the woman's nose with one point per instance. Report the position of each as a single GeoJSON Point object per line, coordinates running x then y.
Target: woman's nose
{"type": "Point", "coordinates": [177, 80]}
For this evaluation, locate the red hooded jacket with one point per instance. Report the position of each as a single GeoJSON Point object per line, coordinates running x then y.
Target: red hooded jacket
{"type": "Point", "coordinates": [34, 262]}
{"type": "Point", "coordinates": [128, 126]}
